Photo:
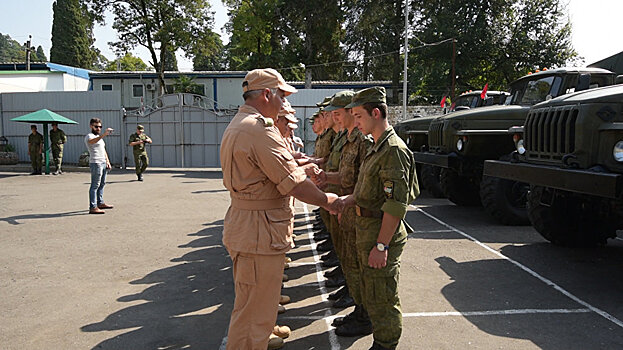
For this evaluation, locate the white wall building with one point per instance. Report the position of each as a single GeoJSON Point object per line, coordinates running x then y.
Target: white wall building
{"type": "Point", "coordinates": [42, 77]}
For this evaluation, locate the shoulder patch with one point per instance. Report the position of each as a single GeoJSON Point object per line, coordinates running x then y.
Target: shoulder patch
{"type": "Point", "coordinates": [388, 188]}
{"type": "Point", "coordinates": [266, 121]}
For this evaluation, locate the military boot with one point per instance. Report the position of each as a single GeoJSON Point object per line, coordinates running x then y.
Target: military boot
{"type": "Point", "coordinates": [348, 318]}
{"type": "Point", "coordinates": [358, 325]}
{"type": "Point", "coordinates": [338, 293]}
{"type": "Point", "coordinates": [377, 346]}
{"type": "Point", "coordinates": [284, 299]}
{"type": "Point", "coordinates": [345, 301]}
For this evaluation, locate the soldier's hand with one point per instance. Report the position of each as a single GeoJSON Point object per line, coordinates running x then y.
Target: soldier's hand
{"type": "Point", "coordinates": [331, 198]}
{"type": "Point", "coordinates": [377, 259]}
{"type": "Point", "coordinates": [310, 169]}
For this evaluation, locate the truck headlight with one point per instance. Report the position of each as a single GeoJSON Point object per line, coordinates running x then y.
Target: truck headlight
{"type": "Point", "coordinates": [459, 145]}
{"type": "Point", "coordinates": [617, 152]}
{"type": "Point", "coordinates": [520, 148]}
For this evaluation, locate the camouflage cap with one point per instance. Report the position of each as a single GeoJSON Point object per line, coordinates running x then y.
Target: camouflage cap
{"type": "Point", "coordinates": [340, 100]}
{"type": "Point", "coordinates": [140, 127]}
{"type": "Point", "coordinates": [324, 102]}
{"type": "Point", "coordinates": [374, 94]}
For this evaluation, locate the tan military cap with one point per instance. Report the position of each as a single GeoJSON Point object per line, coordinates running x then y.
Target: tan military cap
{"type": "Point", "coordinates": [292, 126]}
{"type": "Point", "coordinates": [340, 100]}
{"type": "Point", "coordinates": [140, 127]}
{"type": "Point", "coordinates": [374, 94]}
{"type": "Point", "coordinates": [267, 78]}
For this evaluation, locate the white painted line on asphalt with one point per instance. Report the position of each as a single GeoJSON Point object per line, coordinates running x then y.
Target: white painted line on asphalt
{"type": "Point", "coordinates": [495, 312]}
{"type": "Point", "coordinates": [335, 345]}
{"type": "Point", "coordinates": [431, 231]}
{"type": "Point", "coordinates": [465, 313]}
{"type": "Point", "coordinates": [526, 269]}
{"type": "Point", "coordinates": [303, 263]}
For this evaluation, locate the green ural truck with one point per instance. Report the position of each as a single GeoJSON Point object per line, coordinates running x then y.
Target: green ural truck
{"type": "Point", "coordinates": [415, 133]}
{"type": "Point", "coordinates": [460, 142]}
{"type": "Point", "coordinates": [570, 151]}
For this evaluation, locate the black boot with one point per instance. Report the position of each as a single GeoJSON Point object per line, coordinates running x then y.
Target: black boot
{"type": "Point", "coordinates": [344, 302]}
{"type": "Point", "coordinates": [325, 246]}
{"type": "Point", "coordinates": [331, 262]}
{"type": "Point", "coordinates": [377, 346]}
{"type": "Point", "coordinates": [336, 281]}
{"type": "Point", "coordinates": [336, 271]}
{"type": "Point", "coordinates": [348, 318]}
{"type": "Point", "coordinates": [354, 328]}
{"type": "Point", "coordinates": [338, 293]}
{"type": "Point", "coordinates": [330, 255]}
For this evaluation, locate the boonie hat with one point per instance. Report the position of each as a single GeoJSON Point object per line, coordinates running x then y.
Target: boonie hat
{"type": "Point", "coordinates": [374, 94]}
{"type": "Point", "coordinates": [140, 127]}
{"type": "Point", "coordinates": [340, 100]}
{"type": "Point", "coordinates": [267, 78]}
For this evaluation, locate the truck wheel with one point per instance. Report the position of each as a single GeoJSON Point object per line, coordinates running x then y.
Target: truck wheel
{"type": "Point", "coordinates": [568, 220]}
{"type": "Point", "coordinates": [505, 200]}
{"type": "Point", "coordinates": [430, 180]}
{"type": "Point", "coordinates": [460, 190]}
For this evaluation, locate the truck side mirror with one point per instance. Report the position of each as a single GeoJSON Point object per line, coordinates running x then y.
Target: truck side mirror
{"type": "Point", "coordinates": [584, 82]}
{"type": "Point", "coordinates": [618, 79]}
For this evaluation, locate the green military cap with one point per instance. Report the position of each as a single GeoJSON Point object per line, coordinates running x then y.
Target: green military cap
{"type": "Point", "coordinates": [313, 117]}
{"type": "Point", "coordinates": [374, 94]}
{"type": "Point", "coordinates": [340, 100]}
{"type": "Point", "coordinates": [140, 127]}
{"type": "Point", "coordinates": [324, 102]}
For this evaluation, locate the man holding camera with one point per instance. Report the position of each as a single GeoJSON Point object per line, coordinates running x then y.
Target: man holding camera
{"type": "Point", "coordinates": [99, 164]}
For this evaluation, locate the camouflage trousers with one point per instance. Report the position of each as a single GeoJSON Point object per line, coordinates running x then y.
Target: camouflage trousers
{"type": "Point", "coordinates": [348, 254]}
{"type": "Point", "coordinates": [379, 291]}
{"type": "Point", "coordinates": [35, 161]}
{"type": "Point", "coordinates": [141, 161]}
{"type": "Point", "coordinates": [57, 156]}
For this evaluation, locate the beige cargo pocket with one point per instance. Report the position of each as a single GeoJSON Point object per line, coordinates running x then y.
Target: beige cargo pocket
{"type": "Point", "coordinates": [280, 227]}
{"type": "Point", "coordinates": [245, 270]}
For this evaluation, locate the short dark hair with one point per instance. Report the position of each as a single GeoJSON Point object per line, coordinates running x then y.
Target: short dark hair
{"type": "Point", "coordinates": [95, 121]}
{"type": "Point", "coordinates": [33, 126]}
{"type": "Point", "coordinates": [370, 106]}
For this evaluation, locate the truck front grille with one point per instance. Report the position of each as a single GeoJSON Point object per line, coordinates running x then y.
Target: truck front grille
{"type": "Point", "coordinates": [549, 133]}
{"type": "Point", "coordinates": [435, 136]}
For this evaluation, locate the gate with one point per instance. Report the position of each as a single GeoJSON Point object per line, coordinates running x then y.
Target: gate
{"type": "Point", "coordinates": [186, 131]}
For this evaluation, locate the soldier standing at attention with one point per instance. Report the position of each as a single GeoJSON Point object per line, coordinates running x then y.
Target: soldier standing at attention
{"type": "Point", "coordinates": [387, 184]}
{"type": "Point", "coordinates": [35, 147]}
{"type": "Point", "coordinates": [57, 141]}
{"type": "Point", "coordinates": [261, 176]}
{"type": "Point", "coordinates": [138, 141]}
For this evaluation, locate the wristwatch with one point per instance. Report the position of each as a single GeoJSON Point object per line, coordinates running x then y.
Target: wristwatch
{"type": "Point", "coordinates": [381, 247]}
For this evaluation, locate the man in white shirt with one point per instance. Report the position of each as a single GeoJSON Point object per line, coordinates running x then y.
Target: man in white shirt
{"type": "Point", "coordinates": [99, 164]}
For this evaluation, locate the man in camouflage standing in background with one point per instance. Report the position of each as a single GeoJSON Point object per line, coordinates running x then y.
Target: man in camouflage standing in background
{"type": "Point", "coordinates": [35, 147]}
{"type": "Point", "coordinates": [138, 141]}
{"type": "Point", "coordinates": [57, 142]}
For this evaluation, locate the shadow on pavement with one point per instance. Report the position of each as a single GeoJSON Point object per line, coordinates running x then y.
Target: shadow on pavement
{"type": "Point", "coordinates": [185, 306]}
{"type": "Point", "coordinates": [14, 220]}
{"type": "Point", "coordinates": [498, 285]}
{"type": "Point", "coordinates": [210, 191]}
{"type": "Point", "coordinates": [209, 174]}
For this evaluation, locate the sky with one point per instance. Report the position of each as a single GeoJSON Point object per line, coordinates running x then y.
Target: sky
{"type": "Point", "coordinates": [594, 22]}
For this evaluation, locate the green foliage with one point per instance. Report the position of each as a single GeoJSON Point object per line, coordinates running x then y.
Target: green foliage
{"type": "Point", "coordinates": [72, 35]}
{"type": "Point", "coordinates": [126, 63]}
{"type": "Point", "coordinates": [40, 54]}
{"type": "Point", "coordinates": [11, 50]}
{"type": "Point", "coordinates": [186, 84]}
{"type": "Point", "coordinates": [497, 41]}
{"type": "Point", "coordinates": [9, 148]}
{"type": "Point", "coordinates": [162, 27]}
{"type": "Point", "coordinates": [209, 53]}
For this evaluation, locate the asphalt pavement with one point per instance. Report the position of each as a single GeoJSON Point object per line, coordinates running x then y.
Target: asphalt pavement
{"type": "Point", "coordinates": [152, 274]}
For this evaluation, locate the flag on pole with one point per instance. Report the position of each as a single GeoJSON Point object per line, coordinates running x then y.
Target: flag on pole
{"type": "Point", "coordinates": [483, 94]}
{"type": "Point", "coordinates": [443, 102]}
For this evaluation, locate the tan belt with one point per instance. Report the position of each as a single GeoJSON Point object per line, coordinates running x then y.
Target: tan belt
{"type": "Point", "coordinates": [363, 212]}
{"type": "Point", "coordinates": [260, 204]}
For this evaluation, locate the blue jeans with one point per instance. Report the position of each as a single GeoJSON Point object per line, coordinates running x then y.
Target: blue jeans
{"type": "Point", "coordinates": [98, 180]}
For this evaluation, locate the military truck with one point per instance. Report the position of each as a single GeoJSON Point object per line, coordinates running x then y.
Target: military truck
{"type": "Point", "coordinates": [459, 143]}
{"type": "Point", "coordinates": [415, 133]}
{"type": "Point", "coordinates": [570, 151]}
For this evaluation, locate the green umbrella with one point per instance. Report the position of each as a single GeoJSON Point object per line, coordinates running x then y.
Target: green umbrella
{"type": "Point", "coordinates": [44, 117]}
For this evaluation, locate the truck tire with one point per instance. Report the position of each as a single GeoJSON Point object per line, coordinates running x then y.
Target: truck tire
{"type": "Point", "coordinates": [505, 200]}
{"type": "Point", "coordinates": [430, 180]}
{"type": "Point", "coordinates": [568, 221]}
{"type": "Point", "coordinates": [460, 190]}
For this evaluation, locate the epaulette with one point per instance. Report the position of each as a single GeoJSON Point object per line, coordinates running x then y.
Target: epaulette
{"type": "Point", "coordinates": [266, 121]}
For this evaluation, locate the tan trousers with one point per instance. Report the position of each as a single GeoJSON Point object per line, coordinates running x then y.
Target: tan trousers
{"type": "Point", "coordinates": [257, 280]}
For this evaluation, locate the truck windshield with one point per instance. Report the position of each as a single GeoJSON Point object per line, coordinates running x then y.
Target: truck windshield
{"type": "Point", "coordinates": [537, 90]}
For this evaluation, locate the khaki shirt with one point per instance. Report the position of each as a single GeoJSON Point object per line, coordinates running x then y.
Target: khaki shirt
{"type": "Point", "coordinates": [259, 172]}
{"type": "Point", "coordinates": [387, 182]}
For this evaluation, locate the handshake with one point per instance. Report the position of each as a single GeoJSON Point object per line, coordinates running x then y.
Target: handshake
{"type": "Point", "coordinates": [335, 204]}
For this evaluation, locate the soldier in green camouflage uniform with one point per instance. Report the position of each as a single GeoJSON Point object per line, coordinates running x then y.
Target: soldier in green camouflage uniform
{"type": "Point", "coordinates": [57, 142]}
{"type": "Point", "coordinates": [338, 101]}
{"type": "Point", "coordinates": [138, 141]}
{"type": "Point", "coordinates": [35, 147]}
{"type": "Point", "coordinates": [386, 185]}
{"type": "Point", "coordinates": [323, 147]}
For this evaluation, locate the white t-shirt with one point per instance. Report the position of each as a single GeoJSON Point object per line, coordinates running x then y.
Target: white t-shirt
{"type": "Point", "coordinates": [97, 151]}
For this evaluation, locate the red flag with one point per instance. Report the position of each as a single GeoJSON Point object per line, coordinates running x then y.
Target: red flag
{"type": "Point", "coordinates": [443, 102]}
{"type": "Point", "coordinates": [483, 94]}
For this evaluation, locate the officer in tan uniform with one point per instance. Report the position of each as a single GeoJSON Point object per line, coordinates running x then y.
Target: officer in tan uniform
{"type": "Point", "coordinates": [261, 175]}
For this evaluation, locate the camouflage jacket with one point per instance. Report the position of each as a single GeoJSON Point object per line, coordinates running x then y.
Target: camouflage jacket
{"type": "Point", "coordinates": [57, 137]}
{"type": "Point", "coordinates": [34, 142]}
{"type": "Point", "coordinates": [140, 148]}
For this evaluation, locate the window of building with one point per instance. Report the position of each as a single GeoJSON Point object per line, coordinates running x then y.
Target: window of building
{"type": "Point", "coordinates": [107, 87]}
{"type": "Point", "coordinates": [169, 89]}
{"type": "Point", "coordinates": [137, 90]}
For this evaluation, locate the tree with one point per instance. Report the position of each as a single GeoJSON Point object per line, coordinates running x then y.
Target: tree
{"type": "Point", "coordinates": [40, 54]}
{"type": "Point", "coordinates": [11, 50]}
{"type": "Point", "coordinates": [186, 84]}
{"type": "Point", "coordinates": [72, 35]}
{"type": "Point", "coordinates": [162, 27]}
{"type": "Point", "coordinates": [210, 54]}
{"type": "Point", "coordinates": [127, 63]}
{"type": "Point", "coordinates": [497, 41]}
